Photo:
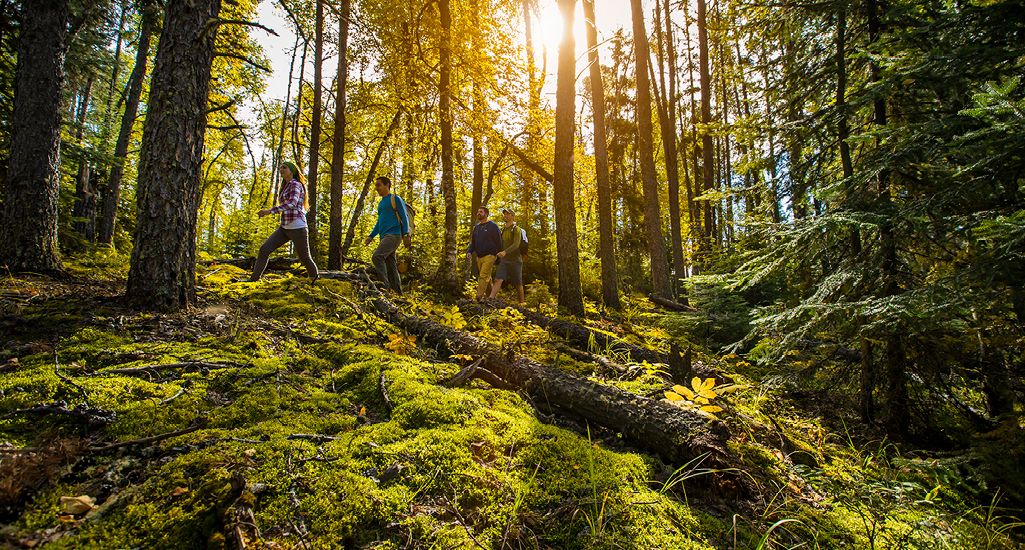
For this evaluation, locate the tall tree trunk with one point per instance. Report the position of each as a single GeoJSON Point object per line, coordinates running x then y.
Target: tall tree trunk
{"type": "Point", "coordinates": [477, 189]}
{"type": "Point", "coordinates": [28, 229]}
{"type": "Point", "coordinates": [570, 295]}
{"type": "Point", "coordinates": [371, 176]}
{"type": "Point", "coordinates": [162, 275]}
{"type": "Point", "coordinates": [668, 127]}
{"type": "Point", "coordinates": [334, 254]}
{"type": "Point", "coordinates": [660, 281]}
{"type": "Point", "coordinates": [692, 192]}
{"type": "Point", "coordinates": [113, 194]}
{"type": "Point", "coordinates": [609, 273]}
{"type": "Point", "coordinates": [108, 113]}
{"type": "Point", "coordinates": [83, 211]}
{"type": "Point", "coordinates": [448, 277]}
{"type": "Point", "coordinates": [314, 167]}
{"type": "Point", "coordinates": [708, 174]}
{"type": "Point", "coordinates": [897, 417]}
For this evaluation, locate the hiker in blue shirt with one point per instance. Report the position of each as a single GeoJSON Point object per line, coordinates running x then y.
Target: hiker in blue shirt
{"type": "Point", "coordinates": [486, 242]}
{"type": "Point", "coordinates": [392, 226]}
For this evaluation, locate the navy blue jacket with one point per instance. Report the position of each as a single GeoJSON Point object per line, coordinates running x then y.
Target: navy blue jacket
{"type": "Point", "coordinates": [486, 239]}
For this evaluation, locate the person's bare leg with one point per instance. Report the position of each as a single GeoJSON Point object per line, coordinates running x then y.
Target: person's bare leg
{"type": "Point", "coordinates": [519, 291]}
{"type": "Point", "coordinates": [497, 286]}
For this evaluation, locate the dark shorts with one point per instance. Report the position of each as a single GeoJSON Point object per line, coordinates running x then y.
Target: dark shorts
{"type": "Point", "coordinates": [511, 271]}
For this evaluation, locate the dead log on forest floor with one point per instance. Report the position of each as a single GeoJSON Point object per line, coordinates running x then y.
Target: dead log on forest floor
{"type": "Point", "coordinates": [670, 304]}
{"type": "Point", "coordinates": [273, 264]}
{"type": "Point", "coordinates": [675, 433]}
{"type": "Point", "coordinates": [582, 337]}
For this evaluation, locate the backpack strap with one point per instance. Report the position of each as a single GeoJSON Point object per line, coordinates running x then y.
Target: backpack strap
{"type": "Point", "coordinates": [396, 209]}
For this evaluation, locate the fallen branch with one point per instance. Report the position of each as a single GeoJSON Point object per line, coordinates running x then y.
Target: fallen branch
{"type": "Point", "coordinates": [57, 371]}
{"type": "Point", "coordinates": [202, 365]}
{"type": "Point", "coordinates": [384, 393]}
{"type": "Point", "coordinates": [92, 417]}
{"type": "Point", "coordinates": [197, 424]}
{"type": "Point", "coordinates": [670, 304]}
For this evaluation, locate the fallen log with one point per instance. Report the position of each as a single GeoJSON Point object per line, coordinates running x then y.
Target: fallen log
{"type": "Point", "coordinates": [675, 433]}
{"type": "Point", "coordinates": [273, 264]}
{"type": "Point", "coordinates": [581, 337]}
{"type": "Point", "coordinates": [670, 304]}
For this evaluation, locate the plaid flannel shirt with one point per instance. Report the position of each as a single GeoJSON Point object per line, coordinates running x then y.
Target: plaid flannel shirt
{"type": "Point", "coordinates": [291, 202]}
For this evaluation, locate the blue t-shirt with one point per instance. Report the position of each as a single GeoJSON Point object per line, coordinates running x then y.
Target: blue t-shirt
{"type": "Point", "coordinates": [387, 223]}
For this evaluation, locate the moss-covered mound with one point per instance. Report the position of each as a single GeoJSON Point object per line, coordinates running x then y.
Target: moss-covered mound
{"type": "Point", "coordinates": [310, 423]}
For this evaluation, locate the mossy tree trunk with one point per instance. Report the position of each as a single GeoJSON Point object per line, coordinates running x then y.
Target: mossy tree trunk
{"type": "Point", "coordinates": [28, 229]}
{"type": "Point", "coordinates": [162, 275]}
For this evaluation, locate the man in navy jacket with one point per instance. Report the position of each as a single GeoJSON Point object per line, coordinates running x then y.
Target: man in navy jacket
{"type": "Point", "coordinates": [486, 242]}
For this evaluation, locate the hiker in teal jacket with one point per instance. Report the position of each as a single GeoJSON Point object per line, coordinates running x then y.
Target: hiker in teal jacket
{"type": "Point", "coordinates": [392, 226]}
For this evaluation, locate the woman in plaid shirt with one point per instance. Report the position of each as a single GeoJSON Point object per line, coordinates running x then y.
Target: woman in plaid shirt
{"type": "Point", "coordinates": [292, 207]}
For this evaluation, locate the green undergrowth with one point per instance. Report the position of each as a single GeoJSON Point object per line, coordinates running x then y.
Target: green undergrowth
{"type": "Point", "coordinates": [335, 430]}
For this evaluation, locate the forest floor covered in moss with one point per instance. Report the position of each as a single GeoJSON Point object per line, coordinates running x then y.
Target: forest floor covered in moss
{"type": "Point", "coordinates": [284, 415]}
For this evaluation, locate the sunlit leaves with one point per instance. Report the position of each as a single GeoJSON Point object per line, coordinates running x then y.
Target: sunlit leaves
{"type": "Point", "coordinates": [401, 344]}
{"type": "Point", "coordinates": [698, 396]}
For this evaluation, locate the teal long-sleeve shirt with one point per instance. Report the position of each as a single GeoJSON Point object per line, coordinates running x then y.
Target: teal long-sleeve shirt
{"type": "Point", "coordinates": [387, 222]}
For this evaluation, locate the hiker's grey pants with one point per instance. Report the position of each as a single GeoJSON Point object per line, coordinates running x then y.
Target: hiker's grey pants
{"type": "Point", "coordinates": [384, 261]}
{"type": "Point", "coordinates": [280, 236]}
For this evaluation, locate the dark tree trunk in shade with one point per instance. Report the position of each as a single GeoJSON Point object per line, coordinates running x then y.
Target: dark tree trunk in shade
{"type": "Point", "coordinates": [652, 212]}
{"type": "Point", "coordinates": [112, 196]}
{"type": "Point", "coordinates": [162, 275]}
{"type": "Point", "coordinates": [28, 229]}
{"type": "Point", "coordinates": [83, 211]}
{"type": "Point", "coordinates": [570, 295]}
{"type": "Point", "coordinates": [314, 162]}
{"type": "Point", "coordinates": [448, 271]}
{"type": "Point", "coordinates": [609, 275]}
{"type": "Point", "coordinates": [334, 253]}
{"type": "Point", "coordinates": [667, 112]}
{"type": "Point", "coordinates": [708, 170]}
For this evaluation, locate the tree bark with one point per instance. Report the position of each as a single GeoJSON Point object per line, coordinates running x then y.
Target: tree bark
{"type": "Point", "coordinates": [448, 270]}
{"type": "Point", "coordinates": [570, 295]}
{"type": "Point", "coordinates": [314, 167]}
{"type": "Point", "coordinates": [708, 175]}
{"type": "Point", "coordinates": [112, 197]}
{"type": "Point", "coordinates": [652, 212]}
{"type": "Point", "coordinates": [28, 229]}
{"type": "Point", "coordinates": [609, 274]}
{"type": "Point", "coordinates": [667, 113]}
{"type": "Point", "coordinates": [675, 433]}
{"type": "Point", "coordinates": [83, 211]}
{"type": "Point", "coordinates": [162, 275]}
{"type": "Point", "coordinates": [371, 176]}
{"type": "Point", "coordinates": [335, 253]}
